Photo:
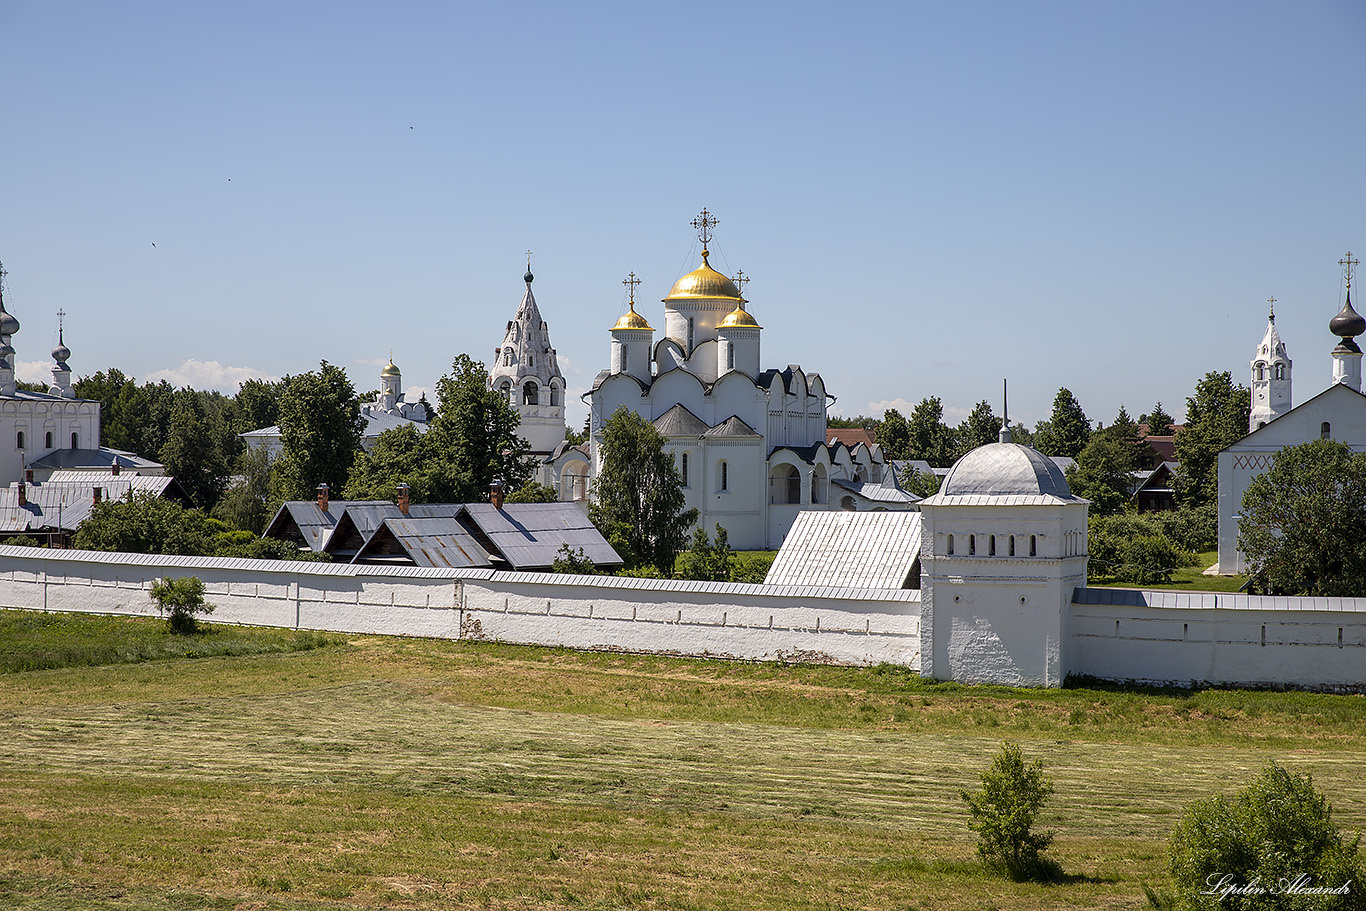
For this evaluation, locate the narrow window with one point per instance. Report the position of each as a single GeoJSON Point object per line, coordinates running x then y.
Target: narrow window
{"type": "Point", "coordinates": [684, 464]}
{"type": "Point", "coordinates": [75, 441]}
{"type": "Point", "coordinates": [950, 545]}
{"type": "Point", "coordinates": [21, 439]}
{"type": "Point", "coordinates": [531, 360]}
{"type": "Point", "coordinates": [1280, 371]}
{"type": "Point", "coordinates": [730, 357]}
{"type": "Point", "coordinates": [725, 480]}
{"type": "Point", "coordinates": [47, 440]}
{"type": "Point", "coordinates": [625, 358]}
{"type": "Point", "coordinates": [690, 335]}
{"type": "Point", "coordinates": [972, 545]}
{"type": "Point", "coordinates": [1325, 431]}
{"type": "Point", "coordinates": [1012, 545]}
{"type": "Point", "coordinates": [991, 547]}
{"type": "Point", "coordinates": [1261, 372]}
{"type": "Point", "coordinates": [1263, 635]}
{"type": "Point", "coordinates": [1033, 552]}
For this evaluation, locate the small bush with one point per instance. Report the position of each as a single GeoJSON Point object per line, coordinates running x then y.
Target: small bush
{"type": "Point", "coordinates": [1129, 548]}
{"type": "Point", "coordinates": [573, 561]}
{"type": "Point", "coordinates": [750, 567]}
{"type": "Point", "coordinates": [179, 601]}
{"type": "Point", "coordinates": [1002, 814]}
{"type": "Point", "coordinates": [1261, 847]}
{"type": "Point", "coordinates": [703, 560]}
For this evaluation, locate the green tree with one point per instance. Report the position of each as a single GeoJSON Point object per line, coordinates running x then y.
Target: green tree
{"type": "Point", "coordinates": [1216, 418]}
{"type": "Point", "coordinates": [979, 428]}
{"type": "Point", "coordinates": [400, 455]}
{"type": "Point", "coordinates": [704, 560]}
{"type": "Point", "coordinates": [191, 454]}
{"type": "Point", "coordinates": [146, 524]}
{"type": "Point", "coordinates": [865, 423]}
{"type": "Point", "coordinates": [930, 439]}
{"type": "Point", "coordinates": [1003, 812]}
{"type": "Point", "coordinates": [573, 561]}
{"type": "Point", "coordinates": [1131, 548]}
{"type": "Point", "coordinates": [244, 504]}
{"type": "Point", "coordinates": [894, 435]}
{"type": "Point", "coordinates": [157, 402]}
{"type": "Point", "coordinates": [533, 492]}
{"type": "Point", "coordinates": [121, 412]}
{"type": "Point", "coordinates": [920, 483]}
{"type": "Point", "coordinates": [258, 404]}
{"type": "Point", "coordinates": [1159, 422]}
{"type": "Point", "coordinates": [181, 602]}
{"type": "Point", "coordinates": [1103, 475]}
{"type": "Point", "coordinates": [1303, 526]}
{"type": "Point", "coordinates": [1124, 431]}
{"type": "Point", "coordinates": [1067, 430]}
{"type": "Point", "coordinates": [320, 429]}
{"type": "Point", "coordinates": [1247, 850]}
{"type": "Point", "coordinates": [473, 441]}
{"type": "Point", "coordinates": [638, 501]}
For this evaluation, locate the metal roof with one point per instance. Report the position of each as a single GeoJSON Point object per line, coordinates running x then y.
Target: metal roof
{"type": "Point", "coordinates": [875, 492]}
{"type": "Point", "coordinates": [680, 422]}
{"type": "Point", "coordinates": [849, 549]}
{"type": "Point", "coordinates": [94, 459]}
{"type": "Point", "coordinates": [530, 535]}
{"type": "Point", "coordinates": [732, 427]}
{"type": "Point", "coordinates": [64, 505]}
{"type": "Point", "coordinates": [1177, 600]}
{"type": "Point", "coordinates": [440, 542]}
{"type": "Point", "coordinates": [999, 471]}
{"type": "Point", "coordinates": [306, 520]}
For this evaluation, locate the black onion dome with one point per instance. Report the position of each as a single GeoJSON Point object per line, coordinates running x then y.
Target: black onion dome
{"type": "Point", "coordinates": [528, 277]}
{"type": "Point", "coordinates": [1348, 323]}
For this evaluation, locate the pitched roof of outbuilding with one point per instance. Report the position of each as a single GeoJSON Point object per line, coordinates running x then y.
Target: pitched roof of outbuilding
{"type": "Point", "coordinates": [850, 549]}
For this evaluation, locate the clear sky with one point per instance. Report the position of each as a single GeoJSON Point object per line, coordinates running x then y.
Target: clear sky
{"type": "Point", "coordinates": [927, 196]}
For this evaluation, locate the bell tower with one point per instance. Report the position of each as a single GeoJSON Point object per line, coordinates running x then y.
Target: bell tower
{"type": "Point", "coordinates": [1270, 383]}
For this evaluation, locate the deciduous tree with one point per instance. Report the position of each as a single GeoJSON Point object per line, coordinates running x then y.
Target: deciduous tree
{"type": "Point", "coordinates": [190, 452]}
{"type": "Point", "coordinates": [1067, 430]}
{"type": "Point", "coordinates": [1216, 418]}
{"type": "Point", "coordinates": [320, 429]}
{"type": "Point", "coordinates": [894, 435]}
{"type": "Point", "coordinates": [930, 439]}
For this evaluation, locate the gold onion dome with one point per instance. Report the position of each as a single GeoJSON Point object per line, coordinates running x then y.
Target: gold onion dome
{"type": "Point", "coordinates": [703, 282]}
{"type": "Point", "coordinates": [739, 318]}
{"type": "Point", "coordinates": [632, 320]}
{"type": "Point", "coordinates": [390, 369]}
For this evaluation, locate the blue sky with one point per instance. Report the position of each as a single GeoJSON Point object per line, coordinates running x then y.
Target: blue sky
{"type": "Point", "coordinates": [928, 197]}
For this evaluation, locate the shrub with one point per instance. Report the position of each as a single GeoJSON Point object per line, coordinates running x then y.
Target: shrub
{"type": "Point", "coordinates": [703, 560]}
{"type": "Point", "coordinates": [1258, 848]}
{"type": "Point", "coordinates": [1002, 814]}
{"type": "Point", "coordinates": [1128, 548]}
{"type": "Point", "coordinates": [573, 561]}
{"type": "Point", "coordinates": [1193, 528]}
{"type": "Point", "coordinates": [179, 601]}
{"type": "Point", "coordinates": [750, 567]}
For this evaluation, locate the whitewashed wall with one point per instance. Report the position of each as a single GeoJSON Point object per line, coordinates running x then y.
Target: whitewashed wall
{"type": "Point", "coordinates": [771, 623]}
{"type": "Point", "coordinates": [1184, 637]}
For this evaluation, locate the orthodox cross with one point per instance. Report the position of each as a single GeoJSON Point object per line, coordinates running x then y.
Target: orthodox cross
{"type": "Point", "coordinates": [704, 223]}
{"type": "Point", "coordinates": [528, 260]}
{"type": "Point", "coordinates": [1349, 266]}
{"type": "Point", "coordinates": [1272, 302]}
{"type": "Point", "coordinates": [632, 283]}
{"type": "Point", "coordinates": [61, 320]}
{"type": "Point", "coordinates": [741, 281]}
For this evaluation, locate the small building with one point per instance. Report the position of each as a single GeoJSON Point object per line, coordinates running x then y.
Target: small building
{"type": "Point", "coordinates": [53, 510]}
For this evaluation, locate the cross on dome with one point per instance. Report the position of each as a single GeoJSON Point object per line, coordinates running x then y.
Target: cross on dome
{"type": "Point", "coordinates": [1348, 267]}
{"type": "Point", "coordinates": [704, 224]}
{"type": "Point", "coordinates": [1272, 302]}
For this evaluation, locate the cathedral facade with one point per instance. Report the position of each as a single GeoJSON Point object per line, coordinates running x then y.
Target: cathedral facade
{"type": "Point", "coordinates": [749, 443]}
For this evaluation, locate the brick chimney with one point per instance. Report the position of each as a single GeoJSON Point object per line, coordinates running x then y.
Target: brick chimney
{"type": "Point", "coordinates": [116, 468]}
{"type": "Point", "coordinates": [99, 494]}
{"type": "Point", "coordinates": [496, 494]}
{"type": "Point", "coordinates": [28, 475]}
{"type": "Point", "coordinates": [322, 497]}
{"type": "Point", "coordinates": [23, 495]}
{"type": "Point", "coordinates": [403, 498]}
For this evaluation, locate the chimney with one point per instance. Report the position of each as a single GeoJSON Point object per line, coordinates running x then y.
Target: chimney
{"type": "Point", "coordinates": [322, 497]}
{"type": "Point", "coordinates": [28, 475]}
{"type": "Point", "coordinates": [99, 494]}
{"type": "Point", "coordinates": [403, 498]}
{"type": "Point", "coordinates": [116, 468]}
{"type": "Point", "coordinates": [23, 495]}
{"type": "Point", "coordinates": [496, 494]}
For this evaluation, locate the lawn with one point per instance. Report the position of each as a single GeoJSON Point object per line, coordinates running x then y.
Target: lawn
{"type": "Point", "coordinates": [1190, 578]}
{"type": "Point", "coordinates": [365, 772]}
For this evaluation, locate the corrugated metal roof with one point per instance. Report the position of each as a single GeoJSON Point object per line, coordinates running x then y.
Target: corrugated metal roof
{"type": "Point", "coordinates": [849, 549]}
{"type": "Point", "coordinates": [940, 499]}
{"type": "Point", "coordinates": [439, 542]}
{"type": "Point", "coordinates": [312, 524]}
{"type": "Point", "coordinates": [1127, 597]}
{"type": "Point", "coordinates": [732, 427]}
{"type": "Point", "coordinates": [877, 493]}
{"type": "Point", "coordinates": [94, 459]}
{"type": "Point", "coordinates": [66, 505]}
{"type": "Point", "coordinates": [530, 535]}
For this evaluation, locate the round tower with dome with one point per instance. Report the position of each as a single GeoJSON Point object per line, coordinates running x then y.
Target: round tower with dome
{"type": "Point", "coordinates": [1003, 546]}
{"type": "Point", "coordinates": [525, 371]}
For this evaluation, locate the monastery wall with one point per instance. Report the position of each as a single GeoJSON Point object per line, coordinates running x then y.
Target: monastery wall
{"type": "Point", "coordinates": [703, 619]}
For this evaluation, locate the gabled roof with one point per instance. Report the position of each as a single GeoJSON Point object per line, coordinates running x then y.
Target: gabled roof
{"type": "Point", "coordinates": [850, 549]}
{"type": "Point", "coordinates": [363, 518]}
{"type": "Point", "coordinates": [1273, 428]}
{"type": "Point", "coordinates": [875, 492]}
{"type": "Point", "coordinates": [302, 522]}
{"type": "Point", "coordinates": [733, 427]}
{"type": "Point", "coordinates": [65, 506]}
{"type": "Point", "coordinates": [94, 460]}
{"type": "Point", "coordinates": [530, 535]}
{"type": "Point", "coordinates": [850, 436]}
{"type": "Point", "coordinates": [680, 422]}
{"type": "Point", "coordinates": [442, 542]}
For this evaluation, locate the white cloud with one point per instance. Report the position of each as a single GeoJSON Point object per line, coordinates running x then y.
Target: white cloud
{"type": "Point", "coordinates": [209, 375]}
{"type": "Point", "coordinates": [35, 372]}
{"type": "Point", "coordinates": [878, 409]}
{"type": "Point", "coordinates": [567, 367]}
{"type": "Point", "coordinates": [414, 393]}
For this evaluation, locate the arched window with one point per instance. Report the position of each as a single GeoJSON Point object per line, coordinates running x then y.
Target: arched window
{"type": "Point", "coordinates": [507, 357]}
{"type": "Point", "coordinates": [1012, 545]}
{"type": "Point", "coordinates": [784, 485]}
{"type": "Point", "coordinates": [530, 360]}
{"type": "Point", "coordinates": [730, 357]}
{"type": "Point", "coordinates": [47, 440]}
{"type": "Point", "coordinates": [1325, 431]}
{"type": "Point", "coordinates": [950, 545]}
{"type": "Point", "coordinates": [555, 395]}
{"type": "Point", "coordinates": [991, 547]}
{"type": "Point", "coordinates": [1033, 551]}
{"type": "Point", "coordinates": [529, 395]}
{"type": "Point", "coordinates": [625, 358]}
{"type": "Point", "coordinates": [1261, 372]}
{"type": "Point", "coordinates": [972, 545]}
{"type": "Point", "coordinates": [75, 441]}
{"type": "Point", "coordinates": [725, 479]}
{"type": "Point", "coordinates": [683, 463]}
{"type": "Point", "coordinates": [20, 439]}
{"type": "Point", "coordinates": [1280, 371]}
{"type": "Point", "coordinates": [690, 335]}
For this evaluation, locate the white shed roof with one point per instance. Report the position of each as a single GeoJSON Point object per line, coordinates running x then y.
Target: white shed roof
{"type": "Point", "coordinates": [850, 549]}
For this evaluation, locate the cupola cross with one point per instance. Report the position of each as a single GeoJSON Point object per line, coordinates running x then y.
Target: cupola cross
{"type": "Point", "coordinates": [528, 260]}
{"type": "Point", "coordinates": [741, 281]}
{"type": "Point", "coordinates": [1348, 267]}
{"type": "Point", "coordinates": [1272, 302]}
{"type": "Point", "coordinates": [704, 223]}
{"type": "Point", "coordinates": [632, 283]}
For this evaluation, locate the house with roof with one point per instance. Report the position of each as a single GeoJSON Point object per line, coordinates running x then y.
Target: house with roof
{"type": "Point", "coordinates": [749, 443]}
{"type": "Point", "coordinates": [52, 509]}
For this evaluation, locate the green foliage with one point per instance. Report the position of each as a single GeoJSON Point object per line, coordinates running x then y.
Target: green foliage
{"type": "Point", "coordinates": [258, 404]}
{"type": "Point", "coordinates": [473, 441]}
{"type": "Point", "coordinates": [704, 560]}
{"type": "Point", "coordinates": [638, 501]}
{"type": "Point", "coordinates": [1159, 422]}
{"type": "Point", "coordinates": [644, 571]}
{"type": "Point", "coordinates": [1067, 429]}
{"type": "Point", "coordinates": [181, 602]}
{"type": "Point", "coordinates": [1246, 851]}
{"type": "Point", "coordinates": [920, 483]}
{"type": "Point", "coordinates": [866, 423]}
{"type": "Point", "coordinates": [1003, 813]}
{"type": "Point", "coordinates": [1192, 528]}
{"type": "Point", "coordinates": [21, 541]}
{"type": "Point", "coordinates": [576, 437]}
{"type": "Point", "coordinates": [320, 429]}
{"type": "Point", "coordinates": [1303, 526]}
{"type": "Point", "coordinates": [1103, 474]}
{"type": "Point", "coordinates": [145, 524]}
{"type": "Point", "coordinates": [533, 492]}
{"type": "Point", "coordinates": [1021, 434]}
{"type": "Point", "coordinates": [751, 566]}
{"type": "Point", "coordinates": [191, 453]}
{"type": "Point", "coordinates": [1216, 418]}
{"type": "Point", "coordinates": [573, 561]}
{"type": "Point", "coordinates": [244, 504]}
{"type": "Point", "coordinates": [930, 439]}
{"type": "Point", "coordinates": [1130, 548]}
{"type": "Point", "coordinates": [399, 456]}
{"type": "Point", "coordinates": [979, 428]}
{"type": "Point", "coordinates": [894, 435]}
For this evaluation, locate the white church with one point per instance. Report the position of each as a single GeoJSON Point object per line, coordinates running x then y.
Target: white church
{"type": "Point", "coordinates": [1337, 413]}
{"type": "Point", "coordinates": [749, 442]}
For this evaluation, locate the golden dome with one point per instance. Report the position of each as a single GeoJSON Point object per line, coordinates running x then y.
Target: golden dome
{"type": "Point", "coordinates": [739, 318]}
{"type": "Point", "coordinates": [390, 370]}
{"type": "Point", "coordinates": [703, 282]}
{"type": "Point", "coordinates": [632, 320]}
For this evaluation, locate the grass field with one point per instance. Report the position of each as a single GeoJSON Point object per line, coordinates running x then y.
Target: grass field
{"type": "Point", "coordinates": [1190, 578]}
{"type": "Point", "coordinates": [364, 772]}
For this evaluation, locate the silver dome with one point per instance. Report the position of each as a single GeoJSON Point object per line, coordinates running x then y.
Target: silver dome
{"type": "Point", "coordinates": [1003, 470]}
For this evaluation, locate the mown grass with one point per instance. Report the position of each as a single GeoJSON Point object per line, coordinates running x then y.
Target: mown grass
{"type": "Point", "coordinates": [1190, 578]}
{"type": "Point", "coordinates": [426, 774]}
{"type": "Point", "coordinates": [30, 640]}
